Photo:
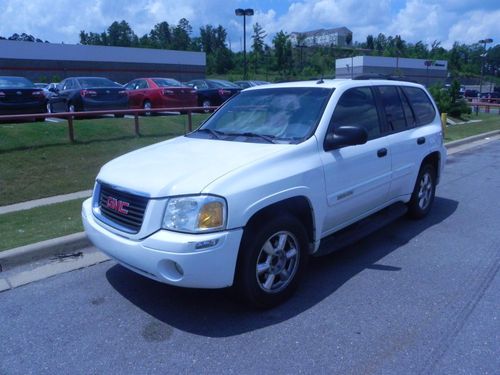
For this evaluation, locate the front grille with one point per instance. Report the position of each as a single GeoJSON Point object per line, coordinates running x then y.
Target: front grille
{"type": "Point", "coordinates": [121, 208]}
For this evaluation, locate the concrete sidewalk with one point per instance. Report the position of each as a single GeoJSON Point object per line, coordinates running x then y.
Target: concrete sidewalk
{"type": "Point", "coordinates": [62, 246]}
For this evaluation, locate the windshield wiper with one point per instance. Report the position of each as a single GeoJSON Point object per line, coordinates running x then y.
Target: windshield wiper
{"type": "Point", "coordinates": [268, 138]}
{"type": "Point", "coordinates": [217, 134]}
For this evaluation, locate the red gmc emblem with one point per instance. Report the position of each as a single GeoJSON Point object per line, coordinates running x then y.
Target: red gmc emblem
{"type": "Point", "coordinates": [117, 205]}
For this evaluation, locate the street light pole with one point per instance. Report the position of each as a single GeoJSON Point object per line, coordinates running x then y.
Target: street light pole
{"type": "Point", "coordinates": [244, 13]}
{"type": "Point", "coordinates": [483, 41]}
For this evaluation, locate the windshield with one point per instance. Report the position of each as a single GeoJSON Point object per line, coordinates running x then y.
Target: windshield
{"type": "Point", "coordinates": [96, 82]}
{"type": "Point", "coordinates": [222, 83]}
{"type": "Point", "coordinates": [166, 82]}
{"type": "Point", "coordinates": [280, 114]}
{"type": "Point", "coordinates": [16, 82]}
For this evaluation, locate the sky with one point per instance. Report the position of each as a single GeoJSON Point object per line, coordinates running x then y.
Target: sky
{"type": "Point", "coordinates": [447, 21]}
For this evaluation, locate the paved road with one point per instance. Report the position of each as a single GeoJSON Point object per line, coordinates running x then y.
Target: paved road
{"type": "Point", "coordinates": [416, 298]}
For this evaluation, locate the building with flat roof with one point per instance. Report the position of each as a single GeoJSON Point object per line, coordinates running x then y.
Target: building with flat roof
{"type": "Point", "coordinates": [50, 62]}
{"type": "Point", "coordinates": [426, 72]}
{"type": "Point", "coordinates": [340, 37]}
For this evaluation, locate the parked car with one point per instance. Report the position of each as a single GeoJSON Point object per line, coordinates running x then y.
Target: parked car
{"type": "Point", "coordinates": [213, 92]}
{"type": "Point", "coordinates": [490, 97]}
{"type": "Point", "coordinates": [18, 95]}
{"type": "Point", "coordinates": [469, 94]}
{"type": "Point", "coordinates": [150, 93]}
{"type": "Point", "coordinates": [278, 170]}
{"type": "Point", "coordinates": [247, 84]}
{"type": "Point", "coordinates": [78, 94]}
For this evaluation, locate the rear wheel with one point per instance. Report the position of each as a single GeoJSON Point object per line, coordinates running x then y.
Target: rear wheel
{"type": "Point", "coordinates": [423, 192]}
{"type": "Point", "coordinates": [147, 106]}
{"type": "Point", "coordinates": [206, 105]}
{"type": "Point", "coordinates": [272, 259]}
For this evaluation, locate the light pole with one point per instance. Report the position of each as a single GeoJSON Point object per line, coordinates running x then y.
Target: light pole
{"type": "Point", "coordinates": [483, 41]}
{"type": "Point", "coordinates": [244, 13]}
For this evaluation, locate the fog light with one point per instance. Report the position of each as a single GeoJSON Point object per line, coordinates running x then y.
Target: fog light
{"type": "Point", "coordinates": [206, 244]}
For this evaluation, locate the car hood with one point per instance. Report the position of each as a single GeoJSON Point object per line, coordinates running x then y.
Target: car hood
{"type": "Point", "coordinates": [180, 166]}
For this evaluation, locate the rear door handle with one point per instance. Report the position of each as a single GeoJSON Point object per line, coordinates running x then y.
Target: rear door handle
{"type": "Point", "coordinates": [382, 152]}
{"type": "Point", "coordinates": [421, 141]}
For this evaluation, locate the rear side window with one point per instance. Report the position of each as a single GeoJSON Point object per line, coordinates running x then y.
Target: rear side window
{"type": "Point", "coordinates": [421, 104]}
{"type": "Point", "coordinates": [393, 108]}
{"type": "Point", "coordinates": [357, 106]}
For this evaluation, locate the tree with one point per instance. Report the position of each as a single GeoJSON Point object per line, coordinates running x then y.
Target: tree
{"type": "Point", "coordinates": [121, 34]}
{"type": "Point", "coordinates": [181, 39]}
{"type": "Point", "coordinates": [283, 51]}
{"type": "Point", "coordinates": [257, 45]}
{"type": "Point", "coordinates": [161, 35]}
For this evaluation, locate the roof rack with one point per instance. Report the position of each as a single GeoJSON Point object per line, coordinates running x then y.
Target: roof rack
{"type": "Point", "coordinates": [382, 76]}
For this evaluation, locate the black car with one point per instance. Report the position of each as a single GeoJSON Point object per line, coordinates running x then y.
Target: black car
{"type": "Point", "coordinates": [18, 95]}
{"type": "Point", "coordinates": [213, 92]}
{"type": "Point", "coordinates": [78, 94]}
{"type": "Point", "coordinates": [247, 84]}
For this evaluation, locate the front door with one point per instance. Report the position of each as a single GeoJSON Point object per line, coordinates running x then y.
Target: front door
{"type": "Point", "coordinates": [357, 177]}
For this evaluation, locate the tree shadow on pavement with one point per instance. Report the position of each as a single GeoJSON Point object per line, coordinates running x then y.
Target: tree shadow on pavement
{"type": "Point", "coordinates": [214, 313]}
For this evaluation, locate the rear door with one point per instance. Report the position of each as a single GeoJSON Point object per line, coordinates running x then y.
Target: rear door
{"type": "Point", "coordinates": [357, 177]}
{"type": "Point", "coordinates": [405, 112]}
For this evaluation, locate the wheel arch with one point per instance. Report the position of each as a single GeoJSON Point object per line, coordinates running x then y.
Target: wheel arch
{"type": "Point", "coordinates": [298, 206]}
{"type": "Point", "coordinates": [434, 159]}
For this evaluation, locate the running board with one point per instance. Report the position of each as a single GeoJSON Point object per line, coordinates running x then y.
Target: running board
{"type": "Point", "coordinates": [355, 232]}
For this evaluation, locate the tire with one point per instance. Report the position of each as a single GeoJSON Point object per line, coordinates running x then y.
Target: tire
{"type": "Point", "coordinates": [271, 261]}
{"type": "Point", "coordinates": [147, 105]}
{"type": "Point", "coordinates": [205, 104]}
{"type": "Point", "coordinates": [423, 194]}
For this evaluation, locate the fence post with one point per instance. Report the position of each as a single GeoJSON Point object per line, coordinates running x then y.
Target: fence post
{"type": "Point", "coordinates": [136, 124]}
{"type": "Point", "coordinates": [71, 131]}
{"type": "Point", "coordinates": [190, 121]}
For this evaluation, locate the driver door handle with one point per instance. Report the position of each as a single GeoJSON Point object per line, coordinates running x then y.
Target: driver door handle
{"type": "Point", "coordinates": [382, 152]}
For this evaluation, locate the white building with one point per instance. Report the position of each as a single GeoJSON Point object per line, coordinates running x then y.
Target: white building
{"type": "Point", "coordinates": [339, 37]}
{"type": "Point", "coordinates": [426, 72]}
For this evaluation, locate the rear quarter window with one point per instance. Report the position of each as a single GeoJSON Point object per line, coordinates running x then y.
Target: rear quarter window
{"type": "Point", "coordinates": [422, 106]}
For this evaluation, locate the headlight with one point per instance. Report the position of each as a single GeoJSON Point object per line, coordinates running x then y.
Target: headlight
{"type": "Point", "coordinates": [195, 214]}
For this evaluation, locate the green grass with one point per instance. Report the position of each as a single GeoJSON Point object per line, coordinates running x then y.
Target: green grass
{"type": "Point", "coordinates": [36, 159]}
{"type": "Point", "coordinates": [41, 223]}
{"type": "Point", "coordinates": [489, 122]}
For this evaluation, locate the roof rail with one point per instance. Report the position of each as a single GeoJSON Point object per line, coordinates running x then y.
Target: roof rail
{"type": "Point", "coordinates": [383, 76]}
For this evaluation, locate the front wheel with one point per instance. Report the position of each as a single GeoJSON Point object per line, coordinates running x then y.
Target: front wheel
{"type": "Point", "coordinates": [272, 259]}
{"type": "Point", "coordinates": [423, 192]}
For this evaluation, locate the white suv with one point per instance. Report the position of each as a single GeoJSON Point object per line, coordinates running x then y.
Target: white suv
{"type": "Point", "coordinates": [275, 172]}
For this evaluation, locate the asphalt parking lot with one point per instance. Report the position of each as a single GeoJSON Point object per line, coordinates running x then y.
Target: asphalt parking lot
{"type": "Point", "coordinates": [418, 297]}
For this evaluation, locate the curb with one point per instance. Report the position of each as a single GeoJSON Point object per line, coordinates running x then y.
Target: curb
{"type": "Point", "coordinates": [471, 139]}
{"type": "Point", "coordinates": [33, 252]}
{"type": "Point", "coordinates": [77, 241]}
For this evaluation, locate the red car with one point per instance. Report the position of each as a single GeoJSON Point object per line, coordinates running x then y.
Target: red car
{"type": "Point", "coordinates": [150, 93]}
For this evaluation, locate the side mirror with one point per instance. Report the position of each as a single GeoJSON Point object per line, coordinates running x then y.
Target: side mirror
{"type": "Point", "coordinates": [345, 136]}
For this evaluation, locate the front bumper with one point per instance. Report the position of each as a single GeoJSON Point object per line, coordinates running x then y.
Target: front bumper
{"type": "Point", "coordinates": [170, 257]}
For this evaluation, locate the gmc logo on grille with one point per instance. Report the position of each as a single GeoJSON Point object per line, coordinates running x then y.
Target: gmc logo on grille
{"type": "Point", "coordinates": [117, 205]}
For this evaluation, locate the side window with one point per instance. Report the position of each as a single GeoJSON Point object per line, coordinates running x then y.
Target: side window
{"type": "Point", "coordinates": [421, 104]}
{"type": "Point", "coordinates": [131, 85]}
{"type": "Point", "coordinates": [141, 84]}
{"type": "Point", "coordinates": [69, 85]}
{"type": "Point", "coordinates": [411, 121]}
{"type": "Point", "coordinates": [393, 108]}
{"type": "Point", "coordinates": [357, 106]}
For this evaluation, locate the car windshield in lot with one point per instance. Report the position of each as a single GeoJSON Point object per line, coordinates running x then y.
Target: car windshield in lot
{"type": "Point", "coordinates": [96, 82]}
{"type": "Point", "coordinates": [277, 115]}
{"type": "Point", "coordinates": [166, 82]}
{"type": "Point", "coordinates": [221, 83]}
{"type": "Point", "coordinates": [16, 82]}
